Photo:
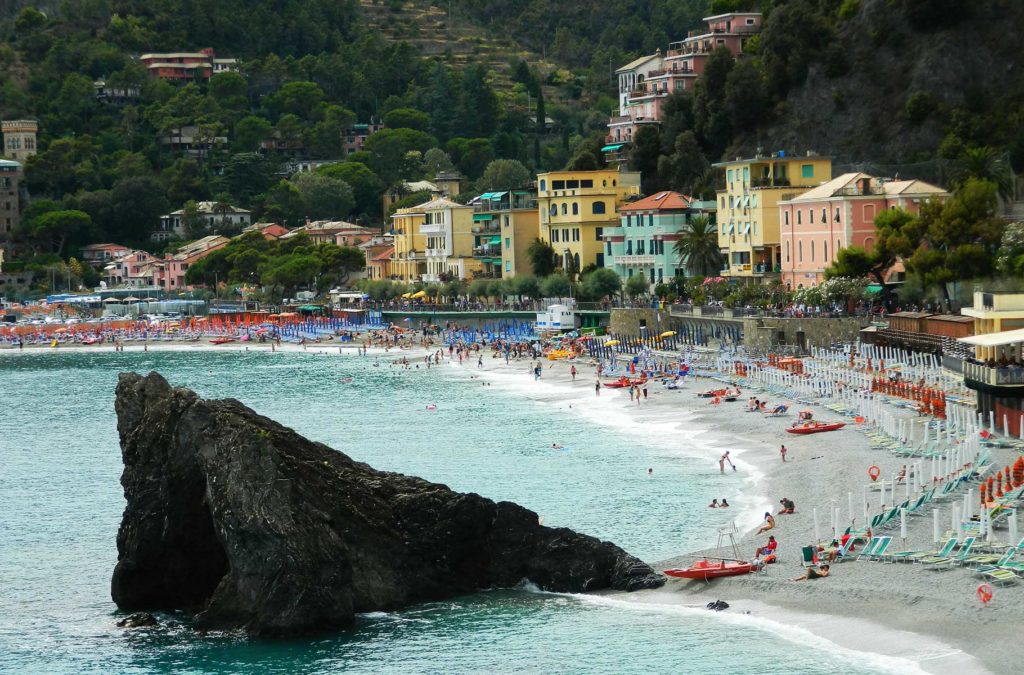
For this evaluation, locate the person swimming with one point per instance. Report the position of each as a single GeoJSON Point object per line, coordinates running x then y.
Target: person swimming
{"type": "Point", "coordinates": [713, 504]}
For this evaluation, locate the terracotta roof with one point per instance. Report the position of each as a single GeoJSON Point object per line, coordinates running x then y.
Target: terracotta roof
{"type": "Point", "coordinates": [385, 254]}
{"type": "Point", "coordinates": [661, 201]}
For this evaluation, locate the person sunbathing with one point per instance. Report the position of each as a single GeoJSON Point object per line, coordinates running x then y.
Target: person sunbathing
{"type": "Point", "coordinates": [812, 573]}
{"type": "Point", "coordinates": [787, 505]}
{"type": "Point", "coordinates": [769, 524]}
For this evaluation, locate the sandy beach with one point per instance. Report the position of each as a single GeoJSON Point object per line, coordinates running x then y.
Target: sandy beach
{"type": "Point", "coordinates": [909, 615]}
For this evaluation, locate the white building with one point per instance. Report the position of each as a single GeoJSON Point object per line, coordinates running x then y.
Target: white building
{"type": "Point", "coordinates": [215, 214]}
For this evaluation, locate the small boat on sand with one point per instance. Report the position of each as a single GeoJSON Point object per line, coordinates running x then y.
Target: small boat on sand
{"type": "Point", "coordinates": [815, 427]}
{"type": "Point", "coordinates": [712, 568]}
{"type": "Point", "coordinates": [221, 340]}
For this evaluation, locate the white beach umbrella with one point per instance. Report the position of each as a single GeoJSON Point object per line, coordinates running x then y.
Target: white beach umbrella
{"type": "Point", "coordinates": [903, 524]}
{"type": "Point", "coordinates": [849, 498]}
{"type": "Point", "coordinates": [864, 503]}
{"type": "Point", "coordinates": [955, 517]}
{"type": "Point", "coordinates": [817, 532]}
{"type": "Point", "coordinates": [935, 526]}
{"type": "Point", "coordinates": [881, 495]}
{"type": "Point", "coordinates": [1012, 522]}
{"type": "Point", "coordinates": [967, 505]}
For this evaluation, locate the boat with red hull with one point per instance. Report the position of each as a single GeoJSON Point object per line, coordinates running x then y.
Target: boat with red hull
{"type": "Point", "coordinates": [221, 340]}
{"type": "Point", "coordinates": [816, 427]}
{"type": "Point", "coordinates": [712, 568]}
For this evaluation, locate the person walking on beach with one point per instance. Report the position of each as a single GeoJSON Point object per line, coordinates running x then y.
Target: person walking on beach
{"type": "Point", "coordinates": [723, 459]}
{"type": "Point", "coordinates": [782, 451]}
{"type": "Point", "coordinates": [645, 389]}
{"type": "Point", "coordinates": [572, 371]}
{"type": "Point", "coordinates": [597, 388]}
{"type": "Point", "coordinates": [632, 389]}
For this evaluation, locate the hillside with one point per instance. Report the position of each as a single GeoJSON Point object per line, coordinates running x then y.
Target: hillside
{"type": "Point", "coordinates": [907, 91]}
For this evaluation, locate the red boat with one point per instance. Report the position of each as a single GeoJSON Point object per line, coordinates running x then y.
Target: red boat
{"type": "Point", "coordinates": [221, 340]}
{"type": "Point", "coordinates": [712, 568]}
{"type": "Point", "coordinates": [816, 427]}
{"type": "Point", "coordinates": [620, 383]}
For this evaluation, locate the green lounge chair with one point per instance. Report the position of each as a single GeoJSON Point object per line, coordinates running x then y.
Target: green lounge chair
{"type": "Point", "coordinates": [940, 563]}
{"type": "Point", "coordinates": [883, 546]}
{"type": "Point", "coordinates": [807, 554]}
{"type": "Point", "coordinates": [904, 556]}
{"type": "Point", "coordinates": [984, 567]}
{"type": "Point", "coordinates": [1002, 577]}
{"type": "Point", "coordinates": [869, 547]}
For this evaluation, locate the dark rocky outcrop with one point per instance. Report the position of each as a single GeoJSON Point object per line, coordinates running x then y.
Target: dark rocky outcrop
{"type": "Point", "coordinates": [138, 620]}
{"type": "Point", "coordinates": [234, 517]}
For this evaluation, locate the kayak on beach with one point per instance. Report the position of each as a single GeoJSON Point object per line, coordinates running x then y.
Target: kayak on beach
{"type": "Point", "coordinates": [712, 568]}
{"type": "Point", "coordinates": [815, 427]}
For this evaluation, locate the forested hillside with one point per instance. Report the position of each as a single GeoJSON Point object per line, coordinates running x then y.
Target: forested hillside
{"type": "Point", "coordinates": [925, 83]}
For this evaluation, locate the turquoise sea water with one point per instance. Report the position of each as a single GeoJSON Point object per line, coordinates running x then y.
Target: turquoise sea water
{"type": "Point", "coordinates": [61, 503]}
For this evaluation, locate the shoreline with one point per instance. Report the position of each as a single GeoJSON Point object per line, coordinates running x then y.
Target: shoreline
{"type": "Point", "coordinates": [948, 632]}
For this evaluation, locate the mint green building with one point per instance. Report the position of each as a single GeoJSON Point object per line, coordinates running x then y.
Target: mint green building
{"type": "Point", "coordinates": [648, 230]}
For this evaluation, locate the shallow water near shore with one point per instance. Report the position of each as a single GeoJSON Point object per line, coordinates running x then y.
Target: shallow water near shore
{"type": "Point", "coordinates": [62, 502]}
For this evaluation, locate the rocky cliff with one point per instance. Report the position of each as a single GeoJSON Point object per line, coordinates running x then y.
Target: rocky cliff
{"type": "Point", "coordinates": [249, 525]}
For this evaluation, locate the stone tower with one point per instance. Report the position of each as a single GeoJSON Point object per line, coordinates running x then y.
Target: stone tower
{"type": "Point", "coordinates": [19, 138]}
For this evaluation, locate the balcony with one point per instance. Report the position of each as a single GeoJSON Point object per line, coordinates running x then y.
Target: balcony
{"type": "Point", "coordinates": [430, 278]}
{"type": "Point", "coordinates": [432, 228]}
{"type": "Point", "coordinates": [635, 260]}
{"type": "Point", "coordinates": [1009, 376]}
{"type": "Point", "coordinates": [490, 227]}
{"type": "Point", "coordinates": [770, 181]}
{"type": "Point", "coordinates": [765, 268]}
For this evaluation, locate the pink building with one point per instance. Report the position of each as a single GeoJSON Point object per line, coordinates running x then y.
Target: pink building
{"type": "Point", "coordinates": [169, 273]}
{"type": "Point", "coordinates": [645, 83]}
{"type": "Point", "coordinates": [131, 269]}
{"type": "Point", "coordinates": [815, 225]}
{"type": "Point", "coordinates": [99, 255]}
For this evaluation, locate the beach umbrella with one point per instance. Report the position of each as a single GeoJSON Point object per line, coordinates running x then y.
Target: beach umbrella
{"type": "Point", "coordinates": [668, 333]}
{"type": "Point", "coordinates": [817, 532]}
{"type": "Point", "coordinates": [849, 497]}
{"type": "Point", "coordinates": [1011, 520]}
{"type": "Point", "coordinates": [881, 495]}
{"type": "Point", "coordinates": [903, 524]}
{"type": "Point", "coordinates": [935, 526]}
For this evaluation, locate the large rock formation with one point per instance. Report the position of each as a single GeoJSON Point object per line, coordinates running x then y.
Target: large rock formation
{"type": "Point", "coordinates": [243, 521]}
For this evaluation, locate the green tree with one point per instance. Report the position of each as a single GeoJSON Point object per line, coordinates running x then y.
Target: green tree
{"type": "Point", "coordinates": [600, 283]}
{"type": "Point", "coordinates": [697, 247]}
{"type": "Point", "coordinates": [324, 197]}
{"type": "Point", "coordinates": [684, 168]}
{"type": "Point", "coordinates": [250, 132]}
{"type": "Point", "coordinates": [985, 164]}
{"type": "Point", "coordinates": [471, 155]}
{"type": "Point", "coordinates": [542, 257]}
{"type": "Point", "coordinates": [644, 157]}
{"type": "Point", "coordinates": [435, 161]}
{"type": "Point", "coordinates": [366, 186]}
{"type": "Point", "coordinates": [407, 118]}
{"type": "Point", "coordinates": [337, 263]}
{"type": "Point", "coordinates": [50, 231]}
{"type": "Point", "coordinates": [396, 152]}
{"type": "Point", "coordinates": [324, 139]}
{"type": "Point", "coordinates": [248, 174]}
{"type": "Point", "coordinates": [555, 285]}
{"type": "Point", "coordinates": [504, 174]}
{"type": "Point", "coordinates": [637, 285]}
{"type": "Point", "coordinates": [297, 98]}
{"type": "Point", "coordinates": [960, 237]}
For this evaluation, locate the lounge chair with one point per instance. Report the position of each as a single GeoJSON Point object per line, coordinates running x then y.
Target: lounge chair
{"type": "Point", "coordinates": [883, 546]}
{"type": "Point", "coordinates": [809, 556]}
{"type": "Point", "coordinates": [1001, 577]}
{"type": "Point", "coordinates": [984, 566]}
{"type": "Point", "coordinates": [912, 556]}
{"type": "Point", "coordinates": [945, 562]}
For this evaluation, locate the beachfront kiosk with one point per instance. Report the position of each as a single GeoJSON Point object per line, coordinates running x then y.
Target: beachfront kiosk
{"type": "Point", "coordinates": [996, 373]}
{"type": "Point", "coordinates": [556, 318]}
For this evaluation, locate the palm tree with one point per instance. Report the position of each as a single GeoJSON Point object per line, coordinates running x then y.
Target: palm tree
{"type": "Point", "coordinates": [985, 163]}
{"type": "Point", "coordinates": [697, 247]}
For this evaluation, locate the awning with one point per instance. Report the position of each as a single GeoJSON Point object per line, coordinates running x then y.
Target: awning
{"type": "Point", "coordinates": [1007, 337]}
{"type": "Point", "coordinates": [873, 289]}
{"type": "Point", "coordinates": [612, 148]}
{"type": "Point", "coordinates": [498, 195]}
{"type": "Point", "coordinates": [496, 239]}
{"type": "Point", "coordinates": [486, 195]}
{"type": "Point", "coordinates": [310, 308]}
{"type": "Point", "coordinates": [479, 217]}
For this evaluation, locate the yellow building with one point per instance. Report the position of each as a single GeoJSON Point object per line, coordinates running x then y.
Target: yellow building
{"type": "Point", "coordinates": [748, 212]}
{"type": "Point", "coordinates": [504, 224]}
{"type": "Point", "coordinates": [576, 206]}
{"type": "Point", "coordinates": [447, 228]}
{"type": "Point", "coordinates": [409, 261]}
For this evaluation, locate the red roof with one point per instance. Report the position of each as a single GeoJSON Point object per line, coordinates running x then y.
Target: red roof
{"type": "Point", "coordinates": [385, 254]}
{"type": "Point", "coordinates": [660, 201]}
